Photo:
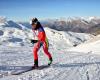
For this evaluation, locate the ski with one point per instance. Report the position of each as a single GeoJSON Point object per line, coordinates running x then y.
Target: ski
{"type": "Point", "coordinates": [30, 69]}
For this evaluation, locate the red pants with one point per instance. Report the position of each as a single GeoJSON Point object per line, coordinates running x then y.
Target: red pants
{"type": "Point", "coordinates": [37, 47]}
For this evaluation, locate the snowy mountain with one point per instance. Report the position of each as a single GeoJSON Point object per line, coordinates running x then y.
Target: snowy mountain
{"type": "Point", "coordinates": [91, 45]}
{"type": "Point", "coordinates": [75, 24]}
{"type": "Point", "coordinates": [12, 33]}
{"type": "Point", "coordinates": [2, 20]}
{"type": "Point", "coordinates": [76, 56]}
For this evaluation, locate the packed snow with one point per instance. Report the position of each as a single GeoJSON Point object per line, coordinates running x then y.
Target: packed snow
{"type": "Point", "coordinates": [91, 45]}
{"type": "Point", "coordinates": [76, 56]}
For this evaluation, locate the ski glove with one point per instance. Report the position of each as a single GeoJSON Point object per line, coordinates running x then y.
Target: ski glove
{"type": "Point", "coordinates": [34, 41]}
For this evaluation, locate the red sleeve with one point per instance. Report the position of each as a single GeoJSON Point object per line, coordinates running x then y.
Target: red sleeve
{"type": "Point", "coordinates": [41, 36]}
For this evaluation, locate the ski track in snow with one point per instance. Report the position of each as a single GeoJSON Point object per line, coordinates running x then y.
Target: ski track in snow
{"type": "Point", "coordinates": [66, 66]}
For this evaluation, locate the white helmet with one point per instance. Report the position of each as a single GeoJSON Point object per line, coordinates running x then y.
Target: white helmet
{"type": "Point", "coordinates": [34, 21]}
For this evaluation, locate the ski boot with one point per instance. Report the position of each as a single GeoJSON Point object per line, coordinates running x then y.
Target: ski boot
{"type": "Point", "coordinates": [50, 61]}
{"type": "Point", "coordinates": [35, 64]}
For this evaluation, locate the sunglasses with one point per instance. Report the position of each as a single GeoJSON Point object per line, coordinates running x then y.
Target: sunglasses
{"type": "Point", "coordinates": [34, 23]}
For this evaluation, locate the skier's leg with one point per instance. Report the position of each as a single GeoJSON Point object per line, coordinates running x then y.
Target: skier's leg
{"type": "Point", "coordinates": [35, 53]}
{"type": "Point", "coordinates": [45, 48]}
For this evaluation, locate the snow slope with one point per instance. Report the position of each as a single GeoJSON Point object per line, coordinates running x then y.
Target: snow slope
{"type": "Point", "coordinates": [12, 34]}
{"type": "Point", "coordinates": [67, 65]}
{"type": "Point", "coordinates": [78, 63]}
{"type": "Point", "coordinates": [91, 45]}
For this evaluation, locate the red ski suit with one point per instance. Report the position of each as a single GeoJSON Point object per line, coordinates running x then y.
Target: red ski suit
{"type": "Point", "coordinates": [42, 41]}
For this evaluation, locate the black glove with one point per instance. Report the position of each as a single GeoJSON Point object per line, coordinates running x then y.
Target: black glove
{"type": "Point", "coordinates": [34, 41]}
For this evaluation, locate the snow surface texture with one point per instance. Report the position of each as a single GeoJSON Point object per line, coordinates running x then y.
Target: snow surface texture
{"type": "Point", "coordinates": [79, 63]}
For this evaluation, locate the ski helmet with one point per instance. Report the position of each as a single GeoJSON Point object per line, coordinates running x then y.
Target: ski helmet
{"type": "Point", "coordinates": [34, 21]}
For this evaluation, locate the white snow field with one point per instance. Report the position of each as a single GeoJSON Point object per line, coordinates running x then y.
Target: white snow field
{"type": "Point", "coordinates": [69, 63]}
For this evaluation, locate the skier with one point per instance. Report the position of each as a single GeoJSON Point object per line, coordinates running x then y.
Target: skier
{"type": "Point", "coordinates": [42, 41]}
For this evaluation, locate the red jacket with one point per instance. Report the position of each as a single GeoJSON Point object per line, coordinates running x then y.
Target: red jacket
{"type": "Point", "coordinates": [41, 34]}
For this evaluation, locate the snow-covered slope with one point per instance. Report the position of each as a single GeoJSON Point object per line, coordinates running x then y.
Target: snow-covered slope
{"type": "Point", "coordinates": [67, 65]}
{"type": "Point", "coordinates": [79, 63]}
{"type": "Point", "coordinates": [12, 33]}
{"type": "Point", "coordinates": [91, 45]}
{"type": "Point", "coordinates": [61, 38]}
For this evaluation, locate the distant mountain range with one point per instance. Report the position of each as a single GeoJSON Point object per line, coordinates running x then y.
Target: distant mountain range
{"type": "Point", "coordinates": [74, 24]}
{"type": "Point", "coordinates": [82, 25]}
{"type": "Point", "coordinates": [19, 34]}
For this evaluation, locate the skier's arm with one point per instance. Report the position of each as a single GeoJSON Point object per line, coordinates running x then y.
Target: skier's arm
{"type": "Point", "coordinates": [34, 35]}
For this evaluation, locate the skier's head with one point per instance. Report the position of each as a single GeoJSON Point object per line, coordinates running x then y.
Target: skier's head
{"type": "Point", "coordinates": [35, 23]}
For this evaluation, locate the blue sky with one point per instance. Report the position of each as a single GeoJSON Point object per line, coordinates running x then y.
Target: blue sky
{"type": "Point", "coordinates": [26, 9]}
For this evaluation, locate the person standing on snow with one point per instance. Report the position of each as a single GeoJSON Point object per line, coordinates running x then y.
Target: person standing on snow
{"type": "Point", "coordinates": [42, 41]}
